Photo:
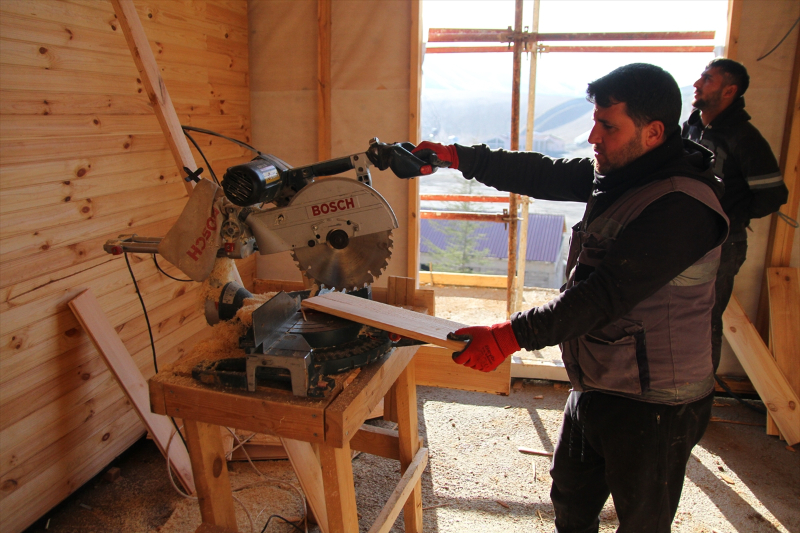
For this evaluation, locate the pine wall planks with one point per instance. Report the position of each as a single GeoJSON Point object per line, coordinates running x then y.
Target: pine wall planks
{"type": "Point", "coordinates": [82, 160]}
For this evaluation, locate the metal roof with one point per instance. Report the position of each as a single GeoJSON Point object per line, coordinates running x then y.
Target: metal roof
{"type": "Point", "coordinates": [544, 236]}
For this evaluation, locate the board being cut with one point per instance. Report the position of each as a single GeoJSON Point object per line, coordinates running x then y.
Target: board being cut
{"type": "Point", "coordinates": [388, 318]}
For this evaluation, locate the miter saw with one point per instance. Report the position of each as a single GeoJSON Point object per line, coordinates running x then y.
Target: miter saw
{"type": "Point", "coordinates": [338, 231]}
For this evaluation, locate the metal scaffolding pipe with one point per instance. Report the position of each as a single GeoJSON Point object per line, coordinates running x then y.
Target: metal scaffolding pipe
{"type": "Point", "coordinates": [513, 199]}
{"type": "Point", "coordinates": [466, 215]}
{"type": "Point", "coordinates": [457, 35]}
{"type": "Point", "coordinates": [462, 198]}
{"type": "Point", "coordinates": [571, 49]}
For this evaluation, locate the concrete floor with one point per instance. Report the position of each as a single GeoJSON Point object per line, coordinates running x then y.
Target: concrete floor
{"type": "Point", "coordinates": [739, 479]}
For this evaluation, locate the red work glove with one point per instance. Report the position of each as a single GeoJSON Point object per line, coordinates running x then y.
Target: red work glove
{"type": "Point", "coordinates": [488, 346]}
{"type": "Point", "coordinates": [445, 155]}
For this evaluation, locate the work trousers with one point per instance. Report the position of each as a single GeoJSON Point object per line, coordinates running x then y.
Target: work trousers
{"type": "Point", "coordinates": [635, 451]}
{"type": "Point", "coordinates": [732, 256]}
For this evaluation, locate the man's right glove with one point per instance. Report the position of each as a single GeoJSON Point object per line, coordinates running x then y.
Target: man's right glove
{"type": "Point", "coordinates": [488, 346]}
{"type": "Point", "coordinates": [438, 155]}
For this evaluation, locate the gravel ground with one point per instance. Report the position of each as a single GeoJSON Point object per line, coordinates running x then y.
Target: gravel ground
{"type": "Point", "coordinates": [738, 480]}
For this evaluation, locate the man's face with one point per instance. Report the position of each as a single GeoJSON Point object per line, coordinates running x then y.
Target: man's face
{"type": "Point", "coordinates": [616, 138]}
{"type": "Point", "coordinates": [708, 89]}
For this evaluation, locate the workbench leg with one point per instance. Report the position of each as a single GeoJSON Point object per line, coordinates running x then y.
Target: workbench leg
{"type": "Point", "coordinates": [340, 493]}
{"type": "Point", "coordinates": [408, 430]}
{"type": "Point", "coordinates": [306, 466]}
{"type": "Point", "coordinates": [210, 474]}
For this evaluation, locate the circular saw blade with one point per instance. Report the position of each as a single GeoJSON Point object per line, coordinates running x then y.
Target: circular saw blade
{"type": "Point", "coordinates": [361, 262]}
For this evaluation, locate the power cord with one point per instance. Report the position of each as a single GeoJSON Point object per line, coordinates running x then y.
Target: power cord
{"type": "Point", "coordinates": [738, 398]}
{"type": "Point", "coordinates": [165, 273]}
{"type": "Point", "coordinates": [149, 329]}
{"type": "Point", "coordinates": [210, 169]}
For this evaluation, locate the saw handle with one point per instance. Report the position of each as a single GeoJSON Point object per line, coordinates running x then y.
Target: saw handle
{"type": "Point", "coordinates": [399, 158]}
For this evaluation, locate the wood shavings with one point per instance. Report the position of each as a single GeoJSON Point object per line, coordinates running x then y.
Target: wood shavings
{"type": "Point", "coordinates": [531, 451]}
{"type": "Point", "coordinates": [245, 314]}
{"type": "Point", "coordinates": [727, 479]}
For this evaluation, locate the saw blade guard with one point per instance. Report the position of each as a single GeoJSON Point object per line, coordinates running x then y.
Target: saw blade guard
{"type": "Point", "coordinates": [327, 212]}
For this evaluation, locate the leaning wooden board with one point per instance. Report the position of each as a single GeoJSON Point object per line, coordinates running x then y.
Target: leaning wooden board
{"type": "Point", "coordinates": [388, 318]}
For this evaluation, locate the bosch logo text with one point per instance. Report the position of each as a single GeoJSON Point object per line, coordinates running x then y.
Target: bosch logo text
{"type": "Point", "coordinates": [332, 207]}
{"type": "Point", "coordinates": [200, 244]}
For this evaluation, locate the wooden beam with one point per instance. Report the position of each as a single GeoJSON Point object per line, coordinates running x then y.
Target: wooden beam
{"type": "Point", "coordinates": [435, 368]}
{"type": "Point", "coordinates": [154, 85]}
{"type": "Point", "coordinates": [385, 520]}
{"type": "Point", "coordinates": [405, 390]}
{"type": "Point", "coordinates": [340, 494]}
{"type": "Point", "coordinates": [464, 280]}
{"type": "Point", "coordinates": [213, 485]}
{"type": "Point", "coordinates": [387, 318]}
{"type": "Point", "coordinates": [323, 79]}
{"type": "Point", "coordinates": [537, 369]}
{"type": "Point", "coordinates": [309, 473]}
{"type": "Point", "coordinates": [781, 234]}
{"type": "Point", "coordinates": [784, 306]}
{"type": "Point", "coordinates": [377, 441]}
{"type": "Point", "coordinates": [734, 23]}
{"type": "Point", "coordinates": [107, 342]}
{"type": "Point", "coordinates": [773, 387]}
{"type": "Point", "coordinates": [414, 105]}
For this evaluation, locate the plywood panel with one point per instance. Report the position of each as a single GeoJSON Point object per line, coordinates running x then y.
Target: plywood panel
{"type": "Point", "coordinates": [84, 161]}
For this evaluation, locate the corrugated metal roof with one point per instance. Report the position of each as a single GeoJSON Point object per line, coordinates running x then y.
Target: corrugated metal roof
{"type": "Point", "coordinates": [544, 236]}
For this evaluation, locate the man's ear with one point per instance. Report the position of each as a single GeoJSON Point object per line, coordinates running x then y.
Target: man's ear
{"type": "Point", "coordinates": [729, 91]}
{"type": "Point", "coordinates": [653, 134]}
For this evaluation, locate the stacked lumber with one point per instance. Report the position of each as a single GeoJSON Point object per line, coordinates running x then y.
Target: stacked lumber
{"type": "Point", "coordinates": [84, 160]}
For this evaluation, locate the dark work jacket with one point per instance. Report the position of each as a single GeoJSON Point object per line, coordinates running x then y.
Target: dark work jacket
{"type": "Point", "coordinates": [744, 161]}
{"type": "Point", "coordinates": [671, 234]}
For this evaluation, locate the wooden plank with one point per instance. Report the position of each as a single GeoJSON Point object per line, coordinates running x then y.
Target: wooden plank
{"type": "Point", "coordinates": [309, 473]}
{"type": "Point", "coordinates": [414, 106]}
{"type": "Point", "coordinates": [408, 437]}
{"type": "Point", "coordinates": [154, 85]}
{"type": "Point", "coordinates": [340, 494]}
{"type": "Point", "coordinates": [734, 25]}
{"type": "Point", "coordinates": [784, 310]}
{"type": "Point", "coordinates": [55, 148]}
{"type": "Point", "coordinates": [435, 368]}
{"type": "Point", "coordinates": [344, 416]}
{"type": "Point", "coordinates": [410, 479]}
{"type": "Point", "coordinates": [323, 79]}
{"type": "Point", "coordinates": [537, 369]}
{"type": "Point", "coordinates": [377, 441]}
{"type": "Point", "coordinates": [773, 387]}
{"type": "Point", "coordinates": [110, 347]}
{"type": "Point", "coordinates": [464, 280]}
{"type": "Point", "coordinates": [393, 319]}
{"type": "Point", "coordinates": [211, 473]}
{"type": "Point", "coordinates": [262, 412]}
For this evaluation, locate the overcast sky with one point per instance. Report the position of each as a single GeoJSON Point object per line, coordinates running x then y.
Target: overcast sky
{"type": "Point", "coordinates": [568, 73]}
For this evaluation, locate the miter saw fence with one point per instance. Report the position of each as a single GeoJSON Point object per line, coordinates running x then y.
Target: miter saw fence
{"type": "Point", "coordinates": [289, 347]}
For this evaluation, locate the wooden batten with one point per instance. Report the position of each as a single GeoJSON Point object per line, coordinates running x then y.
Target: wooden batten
{"type": "Point", "coordinates": [85, 160]}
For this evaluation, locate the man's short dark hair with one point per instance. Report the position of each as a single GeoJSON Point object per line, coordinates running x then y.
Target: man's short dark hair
{"type": "Point", "coordinates": [733, 73]}
{"type": "Point", "coordinates": [649, 92]}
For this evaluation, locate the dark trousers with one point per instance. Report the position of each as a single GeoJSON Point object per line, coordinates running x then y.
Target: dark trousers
{"type": "Point", "coordinates": [733, 255]}
{"type": "Point", "coordinates": [633, 450]}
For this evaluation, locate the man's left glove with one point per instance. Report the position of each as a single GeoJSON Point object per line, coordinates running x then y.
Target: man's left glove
{"type": "Point", "coordinates": [488, 346]}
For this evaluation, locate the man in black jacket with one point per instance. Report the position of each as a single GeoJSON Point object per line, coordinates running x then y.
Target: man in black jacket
{"type": "Point", "coordinates": [754, 187]}
{"type": "Point", "coordinates": [634, 319]}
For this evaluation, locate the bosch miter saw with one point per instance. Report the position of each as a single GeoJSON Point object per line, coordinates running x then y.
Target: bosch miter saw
{"type": "Point", "coordinates": [338, 231]}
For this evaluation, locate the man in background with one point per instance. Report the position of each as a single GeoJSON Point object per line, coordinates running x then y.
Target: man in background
{"type": "Point", "coordinates": [754, 186]}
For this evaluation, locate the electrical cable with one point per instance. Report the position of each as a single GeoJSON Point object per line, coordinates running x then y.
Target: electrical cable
{"type": "Point", "coordinates": [210, 169]}
{"type": "Point", "coordinates": [280, 518]}
{"type": "Point", "coordinates": [149, 328]}
{"type": "Point", "coordinates": [738, 398]}
{"type": "Point", "coordinates": [164, 272]}
{"type": "Point", "coordinates": [240, 143]}
{"type": "Point", "coordinates": [781, 41]}
{"type": "Point", "coordinates": [267, 479]}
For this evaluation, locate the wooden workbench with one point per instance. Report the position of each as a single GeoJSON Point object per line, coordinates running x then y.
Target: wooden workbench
{"type": "Point", "coordinates": [335, 425]}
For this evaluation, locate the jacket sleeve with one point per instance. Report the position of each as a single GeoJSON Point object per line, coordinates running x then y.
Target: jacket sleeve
{"type": "Point", "coordinates": [529, 173]}
{"type": "Point", "coordinates": [670, 235]}
{"type": "Point", "coordinates": [762, 174]}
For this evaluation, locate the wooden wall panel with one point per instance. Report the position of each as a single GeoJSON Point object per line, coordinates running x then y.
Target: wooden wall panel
{"type": "Point", "coordinates": [84, 160]}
